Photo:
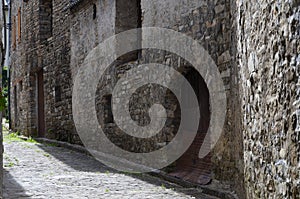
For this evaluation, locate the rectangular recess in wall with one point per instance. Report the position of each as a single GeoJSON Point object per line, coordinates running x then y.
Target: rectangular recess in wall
{"type": "Point", "coordinates": [45, 19]}
{"type": "Point", "coordinates": [19, 24]}
{"type": "Point", "coordinates": [128, 16]}
{"type": "Point", "coordinates": [13, 34]}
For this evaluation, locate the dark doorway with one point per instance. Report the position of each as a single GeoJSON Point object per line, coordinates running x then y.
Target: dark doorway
{"type": "Point", "coordinates": [189, 166]}
{"type": "Point", "coordinates": [16, 106]}
{"type": "Point", "coordinates": [40, 104]}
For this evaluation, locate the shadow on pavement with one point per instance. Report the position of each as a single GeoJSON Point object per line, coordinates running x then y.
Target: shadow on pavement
{"type": "Point", "coordinates": [82, 162]}
{"type": "Point", "coordinates": [11, 188]}
{"type": "Point", "coordinates": [76, 160]}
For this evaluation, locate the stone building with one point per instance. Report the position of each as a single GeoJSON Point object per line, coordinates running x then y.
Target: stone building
{"type": "Point", "coordinates": [40, 70]}
{"type": "Point", "coordinates": [255, 45]}
{"type": "Point", "coordinates": [2, 55]}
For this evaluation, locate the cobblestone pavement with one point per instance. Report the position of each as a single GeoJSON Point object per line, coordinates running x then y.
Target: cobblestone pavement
{"type": "Point", "coordinates": [34, 170]}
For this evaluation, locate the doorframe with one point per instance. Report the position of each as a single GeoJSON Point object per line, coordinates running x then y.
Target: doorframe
{"type": "Point", "coordinates": [40, 103]}
{"type": "Point", "coordinates": [15, 106]}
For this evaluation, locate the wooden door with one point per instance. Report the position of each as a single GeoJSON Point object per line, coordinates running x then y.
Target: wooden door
{"type": "Point", "coordinates": [40, 104]}
{"type": "Point", "coordinates": [189, 166]}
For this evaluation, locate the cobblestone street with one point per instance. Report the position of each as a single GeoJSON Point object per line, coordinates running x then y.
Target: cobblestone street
{"type": "Point", "coordinates": [34, 170]}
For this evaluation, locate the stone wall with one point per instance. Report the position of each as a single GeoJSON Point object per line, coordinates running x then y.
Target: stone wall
{"type": "Point", "coordinates": [211, 24]}
{"type": "Point", "coordinates": [269, 62]}
{"type": "Point", "coordinates": [57, 77]}
{"type": "Point", "coordinates": [44, 49]}
{"type": "Point", "coordinates": [2, 23]}
{"type": "Point", "coordinates": [18, 69]}
{"type": "Point", "coordinates": [87, 32]}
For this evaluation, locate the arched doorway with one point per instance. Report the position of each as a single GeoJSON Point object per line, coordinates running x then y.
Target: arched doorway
{"type": "Point", "coordinates": [189, 167]}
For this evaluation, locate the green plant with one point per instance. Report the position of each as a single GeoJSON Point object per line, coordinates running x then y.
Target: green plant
{"type": "Point", "coordinates": [3, 98]}
{"type": "Point", "coordinates": [50, 131]}
{"type": "Point", "coordinates": [11, 137]}
{"type": "Point", "coordinates": [46, 155]}
{"type": "Point", "coordinates": [31, 140]}
{"type": "Point", "coordinates": [10, 164]}
{"type": "Point", "coordinates": [52, 145]}
{"type": "Point", "coordinates": [3, 102]}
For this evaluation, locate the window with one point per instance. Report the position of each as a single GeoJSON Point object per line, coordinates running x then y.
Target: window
{"type": "Point", "coordinates": [57, 92]}
{"type": "Point", "coordinates": [21, 86]}
{"type": "Point", "coordinates": [13, 32]}
{"type": "Point", "coordinates": [108, 116]}
{"type": "Point", "coordinates": [19, 24]}
{"type": "Point", "coordinates": [128, 16]}
{"type": "Point", "coordinates": [45, 19]}
{"type": "Point", "coordinates": [94, 11]}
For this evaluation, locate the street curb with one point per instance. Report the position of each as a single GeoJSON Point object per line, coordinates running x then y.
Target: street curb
{"type": "Point", "coordinates": [206, 188]}
{"type": "Point", "coordinates": [73, 147]}
{"type": "Point", "coordinates": [224, 194]}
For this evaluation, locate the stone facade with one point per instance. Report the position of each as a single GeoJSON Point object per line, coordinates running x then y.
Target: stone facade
{"type": "Point", "coordinates": [255, 45]}
{"type": "Point", "coordinates": [40, 69]}
{"type": "Point", "coordinates": [208, 22]}
{"type": "Point", "coordinates": [2, 57]}
{"type": "Point", "coordinates": [269, 62]}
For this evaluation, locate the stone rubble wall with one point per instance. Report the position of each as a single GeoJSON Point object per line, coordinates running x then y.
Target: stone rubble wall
{"type": "Point", "coordinates": [268, 34]}
{"type": "Point", "coordinates": [57, 77]}
{"type": "Point", "coordinates": [18, 68]}
{"type": "Point", "coordinates": [210, 23]}
{"type": "Point", "coordinates": [43, 48]}
{"type": "Point", "coordinates": [1, 132]}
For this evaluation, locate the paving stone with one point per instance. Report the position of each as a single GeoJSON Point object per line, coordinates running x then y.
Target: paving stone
{"type": "Point", "coordinates": [33, 170]}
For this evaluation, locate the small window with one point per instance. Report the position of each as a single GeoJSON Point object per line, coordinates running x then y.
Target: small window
{"type": "Point", "coordinates": [21, 85]}
{"type": "Point", "coordinates": [57, 93]}
{"type": "Point", "coordinates": [108, 116]}
{"type": "Point", "coordinates": [19, 24]}
{"type": "Point", "coordinates": [14, 32]}
{"type": "Point", "coordinates": [45, 19]}
{"type": "Point", "coordinates": [94, 11]}
{"type": "Point", "coordinates": [129, 16]}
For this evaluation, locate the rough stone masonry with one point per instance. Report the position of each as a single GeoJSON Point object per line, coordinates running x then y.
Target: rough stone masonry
{"type": "Point", "coordinates": [2, 54]}
{"type": "Point", "coordinates": [268, 35]}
